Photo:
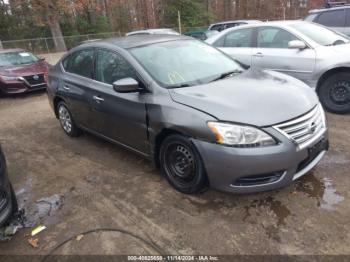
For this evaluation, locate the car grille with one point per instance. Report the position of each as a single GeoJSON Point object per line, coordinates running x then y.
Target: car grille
{"type": "Point", "coordinates": [305, 129]}
{"type": "Point", "coordinates": [35, 80]}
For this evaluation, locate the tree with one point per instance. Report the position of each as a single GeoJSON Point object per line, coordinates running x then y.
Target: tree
{"type": "Point", "coordinates": [49, 12]}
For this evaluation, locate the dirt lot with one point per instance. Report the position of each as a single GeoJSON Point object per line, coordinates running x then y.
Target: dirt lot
{"type": "Point", "coordinates": [93, 184]}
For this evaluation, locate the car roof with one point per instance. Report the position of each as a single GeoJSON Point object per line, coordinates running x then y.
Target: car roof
{"type": "Point", "coordinates": [150, 31]}
{"type": "Point", "coordinates": [281, 23]}
{"type": "Point", "coordinates": [3, 51]}
{"type": "Point", "coordinates": [236, 21]}
{"type": "Point", "coordinates": [321, 10]}
{"type": "Point", "coordinates": [136, 40]}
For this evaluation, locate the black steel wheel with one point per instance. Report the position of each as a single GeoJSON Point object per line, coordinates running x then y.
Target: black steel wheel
{"type": "Point", "coordinates": [66, 120]}
{"type": "Point", "coordinates": [334, 93]}
{"type": "Point", "coordinates": [182, 165]}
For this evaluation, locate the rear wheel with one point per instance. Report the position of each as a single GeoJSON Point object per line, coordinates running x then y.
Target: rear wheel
{"type": "Point", "coordinates": [66, 120]}
{"type": "Point", "coordinates": [334, 93]}
{"type": "Point", "coordinates": [182, 165]}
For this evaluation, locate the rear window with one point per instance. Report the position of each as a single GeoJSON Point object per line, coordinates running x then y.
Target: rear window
{"type": "Point", "coordinates": [335, 18]}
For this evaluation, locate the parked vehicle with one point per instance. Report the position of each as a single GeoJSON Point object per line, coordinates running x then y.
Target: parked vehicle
{"type": "Point", "coordinates": [334, 16]}
{"type": "Point", "coordinates": [202, 34]}
{"type": "Point", "coordinates": [8, 202]}
{"type": "Point", "coordinates": [229, 24]}
{"type": "Point", "coordinates": [158, 31]}
{"type": "Point", "coordinates": [193, 110]}
{"type": "Point", "coordinates": [312, 53]}
{"type": "Point", "coordinates": [21, 71]}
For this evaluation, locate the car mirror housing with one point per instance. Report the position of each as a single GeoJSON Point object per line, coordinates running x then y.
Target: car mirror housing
{"type": "Point", "coordinates": [296, 44]}
{"type": "Point", "coordinates": [126, 85]}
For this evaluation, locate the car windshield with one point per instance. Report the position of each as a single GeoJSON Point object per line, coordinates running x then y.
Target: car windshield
{"type": "Point", "coordinates": [17, 58]}
{"type": "Point", "coordinates": [184, 63]}
{"type": "Point", "coordinates": [320, 35]}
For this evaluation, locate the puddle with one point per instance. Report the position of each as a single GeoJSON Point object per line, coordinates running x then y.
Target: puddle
{"type": "Point", "coordinates": [322, 190]}
{"type": "Point", "coordinates": [279, 210]}
{"type": "Point", "coordinates": [330, 197]}
{"type": "Point", "coordinates": [336, 159]}
{"type": "Point", "coordinates": [42, 209]}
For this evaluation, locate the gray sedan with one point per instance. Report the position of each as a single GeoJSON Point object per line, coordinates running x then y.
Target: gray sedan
{"type": "Point", "coordinates": [312, 53]}
{"type": "Point", "coordinates": [192, 110]}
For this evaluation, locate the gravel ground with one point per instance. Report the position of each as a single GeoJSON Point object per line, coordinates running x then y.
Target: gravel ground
{"type": "Point", "coordinates": [74, 185]}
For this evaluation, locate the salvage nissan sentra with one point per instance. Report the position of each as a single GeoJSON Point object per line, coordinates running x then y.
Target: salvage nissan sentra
{"type": "Point", "coordinates": [195, 112]}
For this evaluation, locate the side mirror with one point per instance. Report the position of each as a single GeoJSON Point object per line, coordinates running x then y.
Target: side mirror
{"type": "Point", "coordinates": [126, 85]}
{"type": "Point", "coordinates": [296, 44]}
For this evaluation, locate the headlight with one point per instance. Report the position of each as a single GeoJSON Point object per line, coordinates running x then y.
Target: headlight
{"type": "Point", "coordinates": [9, 78]}
{"type": "Point", "coordinates": [240, 136]}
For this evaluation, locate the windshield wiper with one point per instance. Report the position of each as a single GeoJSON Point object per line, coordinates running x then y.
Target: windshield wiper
{"type": "Point", "coordinates": [227, 74]}
{"type": "Point", "coordinates": [178, 86]}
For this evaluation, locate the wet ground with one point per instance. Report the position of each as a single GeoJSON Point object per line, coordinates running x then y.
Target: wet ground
{"type": "Point", "coordinates": [88, 185]}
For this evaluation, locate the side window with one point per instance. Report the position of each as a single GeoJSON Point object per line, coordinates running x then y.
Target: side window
{"type": "Point", "coordinates": [217, 28]}
{"type": "Point", "coordinates": [111, 67]}
{"type": "Point", "coordinates": [334, 18]}
{"type": "Point", "coordinates": [240, 38]}
{"type": "Point", "coordinates": [271, 37]}
{"type": "Point", "coordinates": [347, 24]}
{"type": "Point", "coordinates": [80, 63]}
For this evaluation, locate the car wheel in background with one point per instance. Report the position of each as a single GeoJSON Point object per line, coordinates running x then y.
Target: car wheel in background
{"type": "Point", "coordinates": [182, 165]}
{"type": "Point", "coordinates": [334, 93]}
{"type": "Point", "coordinates": [66, 120]}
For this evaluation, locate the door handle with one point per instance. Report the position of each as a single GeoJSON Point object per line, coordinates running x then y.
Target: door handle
{"type": "Point", "coordinates": [66, 87]}
{"type": "Point", "coordinates": [98, 99]}
{"type": "Point", "coordinates": [259, 55]}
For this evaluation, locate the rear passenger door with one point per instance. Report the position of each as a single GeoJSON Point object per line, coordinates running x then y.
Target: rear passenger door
{"type": "Point", "coordinates": [75, 84]}
{"type": "Point", "coordinates": [237, 44]}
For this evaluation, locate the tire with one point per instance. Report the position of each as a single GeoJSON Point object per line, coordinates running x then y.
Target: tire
{"type": "Point", "coordinates": [14, 202]}
{"type": "Point", "coordinates": [334, 93]}
{"type": "Point", "coordinates": [182, 166]}
{"type": "Point", "coordinates": [66, 120]}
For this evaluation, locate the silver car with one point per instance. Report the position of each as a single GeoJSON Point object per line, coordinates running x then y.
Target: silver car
{"type": "Point", "coordinates": [312, 53]}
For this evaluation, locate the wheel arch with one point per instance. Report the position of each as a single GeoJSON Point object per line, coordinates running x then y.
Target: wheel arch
{"type": "Point", "coordinates": [164, 133]}
{"type": "Point", "coordinates": [329, 73]}
{"type": "Point", "coordinates": [56, 100]}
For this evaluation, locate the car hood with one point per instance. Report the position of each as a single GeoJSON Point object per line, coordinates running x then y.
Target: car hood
{"type": "Point", "coordinates": [23, 70]}
{"type": "Point", "coordinates": [259, 98]}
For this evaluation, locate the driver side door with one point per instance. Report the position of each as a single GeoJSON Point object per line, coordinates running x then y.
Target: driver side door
{"type": "Point", "coordinates": [273, 53]}
{"type": "Point", "coordinates": [119, 116]}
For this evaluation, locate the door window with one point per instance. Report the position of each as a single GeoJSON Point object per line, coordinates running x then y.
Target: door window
{"type": "Point", "coordinates": [80, 63]}
{"type": "Point", "coordinates": [111, 67]}
{"type": "Point", "coordinates": [271, 37]}
{"type": "Point", "coordinates": [240, 38]}
{"type": "Point", "coordinates": [347, 18]}
{"type": "Point", "coordinates": [217, 27]}
{"type": "Point", "coordinates": [334, 18]}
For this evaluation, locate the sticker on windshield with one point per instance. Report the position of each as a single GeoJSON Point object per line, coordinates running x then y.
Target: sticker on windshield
{"type": "Point", "coordinates": [24, 54]}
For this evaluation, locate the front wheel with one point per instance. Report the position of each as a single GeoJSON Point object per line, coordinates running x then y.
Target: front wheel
{"type": "Point", "coordinates": [182, 165]}
{"type": "Point", "coordinates": [334, 93]}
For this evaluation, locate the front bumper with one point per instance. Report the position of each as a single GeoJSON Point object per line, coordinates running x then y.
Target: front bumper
{"type": "Point", "coordinates": [19, 87]}
{"type": "Point", "coordinates": [242, 170]}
